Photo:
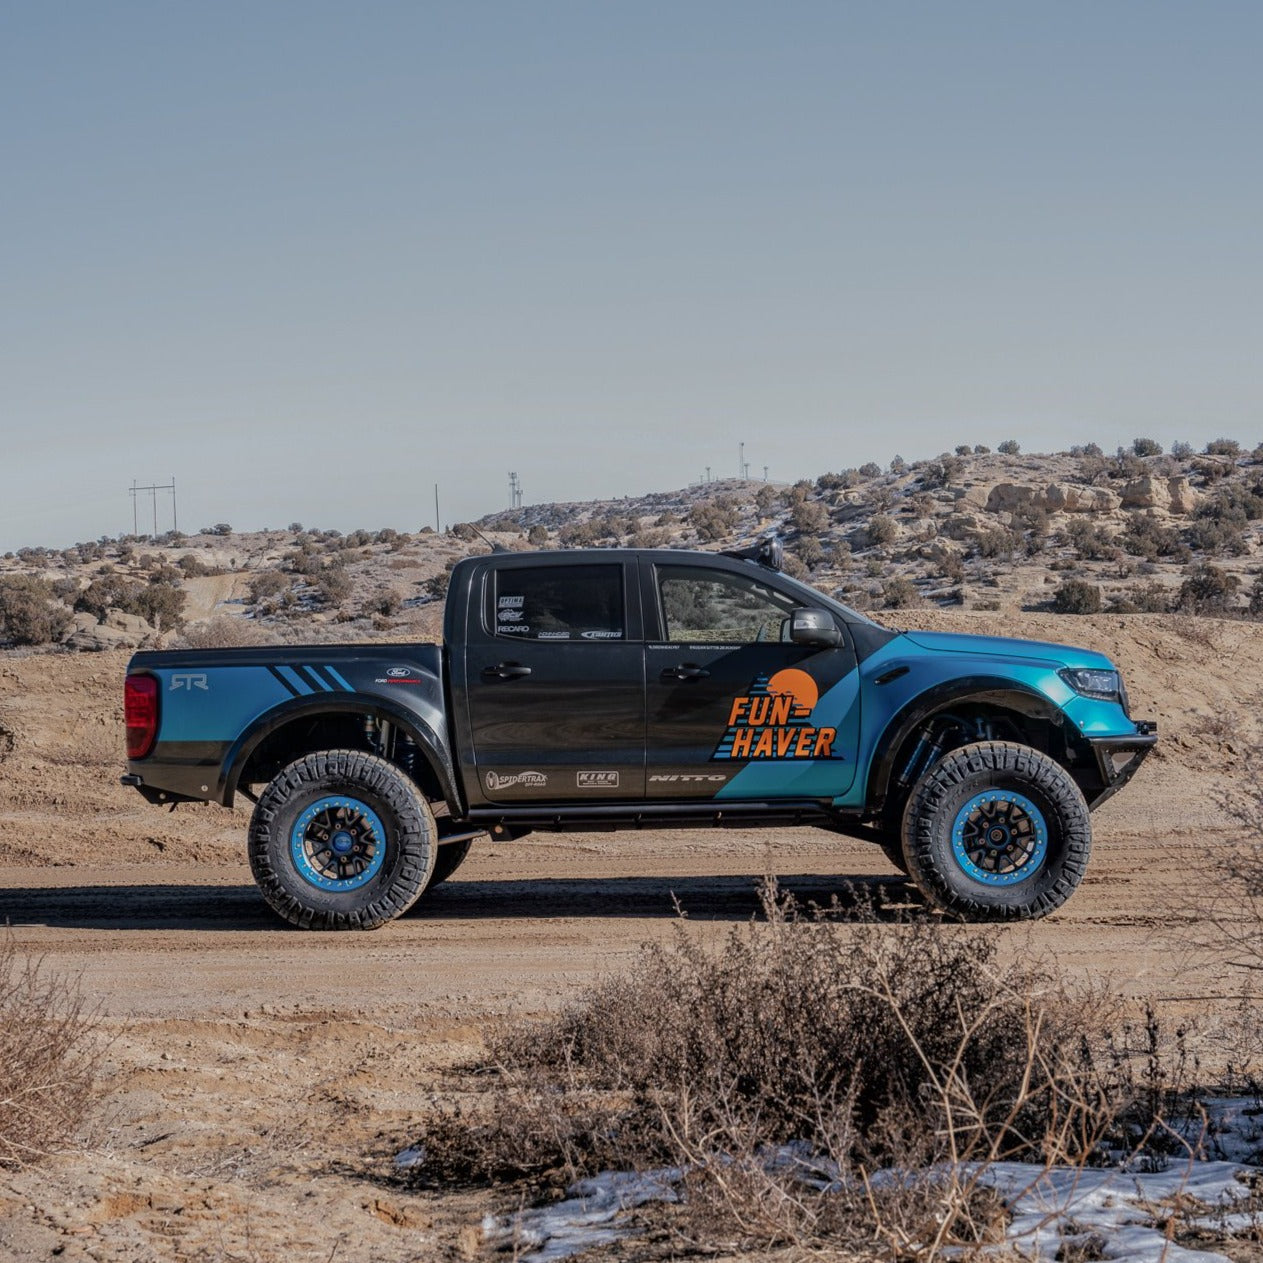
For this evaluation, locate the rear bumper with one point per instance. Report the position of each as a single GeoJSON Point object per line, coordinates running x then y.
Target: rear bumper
{"type": "Point", "coordinates": [1119, 758]}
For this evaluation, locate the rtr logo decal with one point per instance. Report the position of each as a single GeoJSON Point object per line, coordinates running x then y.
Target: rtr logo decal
{"type": "Point", "coordinates": [189, 680]}
{"type": "Point", "coordinates": [772, 721]}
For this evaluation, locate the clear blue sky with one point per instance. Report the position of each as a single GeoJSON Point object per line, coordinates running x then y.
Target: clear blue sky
{"type": "Point", "coordinates": [311, 258]}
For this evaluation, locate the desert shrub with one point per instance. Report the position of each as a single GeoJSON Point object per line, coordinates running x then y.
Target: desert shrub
{"type": "Point", "coordinates": [220, 528]}
{"type": "Point", "coordinates": [537, 536]}
{"type": "Point", "coordinates": [333, 584]}
{"type": "Point", "coordinates": [999, 541]}
{"type": "Point", "coordinates": [870, 469]}
{"type": "Point", "coordinates": [899, 592]}
{"type": "Point", "coordinates": [944, 471]}
{"type": "Point", "coordinates": [191, 566]}
{"type": "Point", "coordinates": [981, 449]}
{"type": "Point", "coordinates": [1219, 523]}
{"type": "Point", "coordinates": [1223, 447]}
{"type": "Point", "coordinates": [221, 632]}
{"type": "Point", "coordinates": [267, 584]}
{"type": "Point", "coordinates": [50, 1051]}
{"type": "Point", "coordinates": [383, 604]}
{"type": "Point", "coordinates": [898, 465]}
{"type": "Point", "coordinates": [464, 532]}
{"type": "Point", "coordinates": [809, 551]}
{"type": "Point", "coordinates": [1151, 598]}
{"type": "Point", "coordinates": [851, 1051]}
{"type": "Point", "coordinates": [809, 517]}
{"type": "Point", "coordinates": [1146, 447]}
{"type": "Point", "coordinates": [159, 603]}
{"type": "Point", "coordinates": [714, 519]}
{"type": "Point", "coordinates": [1147, 537]}
{"type": "Point", "coordinates": [963, 449]}
{"type": "Point", "coordinates": [30, 614]}
{"type": "Point", "coordinates": [881, 530]}
{"type": "Point", "coordinates": [579, 535]}
{"type": "Point", "coordinates": [765, 501]}
{"type": "Point", "coordinates": [1090, 541]}
{"type": "Point", "coordinates": [1010, 447]}
{"type": "Point", "coordinates": [1208, 590]}
{"type": "Point", "coordinates": [1181, 450]}
{"type": "Point", "coordinates": [1075, 596]}
{"type": "Point", "coordinates": [110, 591]}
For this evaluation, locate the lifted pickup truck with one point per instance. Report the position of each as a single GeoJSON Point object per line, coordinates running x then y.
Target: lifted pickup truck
{"type": "Point", "coordinates": [640, 689]}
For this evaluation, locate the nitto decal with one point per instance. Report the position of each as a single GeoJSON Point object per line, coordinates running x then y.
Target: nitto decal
{"type": "Point", "coordinates": [532, 780]}
{"type": "Point", "coordinates": [189, 680]}
{"type": "Point", "coordinates": [596, 780]}
{"type": "Point", "coordinates": [772, 721]}
{"type": "Point", "coordinates": [602, 635]}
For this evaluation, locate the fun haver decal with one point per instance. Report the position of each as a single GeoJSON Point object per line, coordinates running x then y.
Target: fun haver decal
{"type": "Point", "coordinates": [772, 721]}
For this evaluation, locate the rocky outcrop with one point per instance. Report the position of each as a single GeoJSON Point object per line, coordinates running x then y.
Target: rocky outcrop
{"type": "Point", "coordinates": [1147, 493]}
{"type": "Point", "coordinates": [118, 631]}
{"type": "Point", "coordinates": [1057, 497]}
{"type": "Point", "coordinates": [1181, 497]}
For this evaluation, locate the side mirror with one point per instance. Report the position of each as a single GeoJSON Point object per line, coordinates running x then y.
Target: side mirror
{"type": "Point", "coordinates": [814, 627]}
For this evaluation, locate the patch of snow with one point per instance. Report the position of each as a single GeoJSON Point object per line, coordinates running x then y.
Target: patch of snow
{"type": "Point", "coordinates": [410, 1157]}
{"type": "Point", "coordinates": [585, 1218]}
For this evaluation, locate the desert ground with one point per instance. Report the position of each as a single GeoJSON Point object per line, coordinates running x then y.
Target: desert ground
{"type": "Point", "coordinates": [259, 1079]}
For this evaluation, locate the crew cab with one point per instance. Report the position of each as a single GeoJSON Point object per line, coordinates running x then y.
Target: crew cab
{"type": "Point", "coordinates": [633, 689]}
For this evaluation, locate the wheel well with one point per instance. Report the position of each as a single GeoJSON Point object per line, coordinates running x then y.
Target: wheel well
{"type": "Point", "coordinates": [348, 730]}
{"type": "Point", "coordinates": [962, 723]}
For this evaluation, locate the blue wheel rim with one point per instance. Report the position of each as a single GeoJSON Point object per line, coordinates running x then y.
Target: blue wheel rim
{"type": "Point", "coordinates": [338, 844]}
{"type": "Point", "coordinates": [1000, 838]}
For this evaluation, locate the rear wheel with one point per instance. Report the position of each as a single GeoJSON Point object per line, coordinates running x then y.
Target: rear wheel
{"type": "Point", "coordinates": [997, 831]}
{"type": "Point", "coordinates": [342, 840]}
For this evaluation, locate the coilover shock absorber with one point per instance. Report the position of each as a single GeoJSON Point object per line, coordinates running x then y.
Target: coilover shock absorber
{"type": "Point", "coordinates": [405, 753]}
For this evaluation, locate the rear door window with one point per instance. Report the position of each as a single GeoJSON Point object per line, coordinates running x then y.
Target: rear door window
{"type": "Point", "coordinates": [582, 603]}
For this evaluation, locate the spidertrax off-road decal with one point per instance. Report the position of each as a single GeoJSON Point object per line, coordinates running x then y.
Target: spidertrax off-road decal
{"type": "Point", "coordinates": [772, 721]}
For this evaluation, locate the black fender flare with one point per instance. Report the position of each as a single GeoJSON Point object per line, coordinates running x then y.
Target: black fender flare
{"type": "Point", "coordinates": [433, 745]}
{"type": "Point", "coordinates": [981, 689]}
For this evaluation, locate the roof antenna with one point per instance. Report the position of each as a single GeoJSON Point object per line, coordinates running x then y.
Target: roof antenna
{"type": "Point", "coordinates": [495, 548]}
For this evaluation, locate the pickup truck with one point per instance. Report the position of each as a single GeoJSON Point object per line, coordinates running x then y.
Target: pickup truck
{"type": "Point", "coordinates": [640, 689]}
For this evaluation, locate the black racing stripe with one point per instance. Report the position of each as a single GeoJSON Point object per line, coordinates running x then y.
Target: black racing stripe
{"type": "Point", "coordinates": [293, 692]}
{"type": "Point", "coordinates": [322, 673]}
{"type": "Point", "coordinates": [316, 682]}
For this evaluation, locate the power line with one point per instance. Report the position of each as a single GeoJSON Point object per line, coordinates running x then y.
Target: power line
{"type": "Point", "coordinates": [135, 491]}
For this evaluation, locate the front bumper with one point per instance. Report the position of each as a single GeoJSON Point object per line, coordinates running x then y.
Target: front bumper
{"type": "Point", "coordinates": [1119, 758]}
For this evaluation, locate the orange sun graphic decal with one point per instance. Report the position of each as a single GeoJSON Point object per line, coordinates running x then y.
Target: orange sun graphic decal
{"type": "Point", "coordinates": [800, 686]}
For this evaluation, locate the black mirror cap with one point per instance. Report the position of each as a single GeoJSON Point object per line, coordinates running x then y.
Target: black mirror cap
{"type": "Point", "coordinates": [814, 627]}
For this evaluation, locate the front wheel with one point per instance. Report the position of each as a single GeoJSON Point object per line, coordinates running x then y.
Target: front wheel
{"type": "Point", "coordinates": [342, 840]}
{"type": "Point", "coordinates": [997, 832]}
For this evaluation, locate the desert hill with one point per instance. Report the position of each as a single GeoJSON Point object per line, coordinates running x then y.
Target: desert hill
{"type": "Point", "coordinates": [1071, 532]}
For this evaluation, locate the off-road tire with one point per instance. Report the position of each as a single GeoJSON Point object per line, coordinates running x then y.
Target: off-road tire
{"type": "Point", "coordinates": [892, 848]}
{"type": "Point", "coordinates": [451, 855]}
{"type": "Point", "coordinates": [1036, 800]}
{"type": "Point", "coordinates": [389, 817]}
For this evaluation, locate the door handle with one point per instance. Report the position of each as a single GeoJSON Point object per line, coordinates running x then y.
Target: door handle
{"type": "Point", "coordinates": [505, 671]}
{"type": "Point", "coordinates": [685, 671]}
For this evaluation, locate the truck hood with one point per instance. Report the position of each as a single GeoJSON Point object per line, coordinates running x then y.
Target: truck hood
{"type": "Point", "coordinates": [1004, 647]}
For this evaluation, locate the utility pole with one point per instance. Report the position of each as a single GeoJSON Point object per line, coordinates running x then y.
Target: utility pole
{"type": "Point", "coordinates": [708, 473]}
{"type": "Point", "coordinates": [153, 490]}
{"type": "Point", "coordinates": [438, 530]}
{"type": "Point", "coordinates": [765, 473]}
{"type": "Point", "coordinates": [515, 491]}
{"type": "Point", "coordinates": [741, 460]}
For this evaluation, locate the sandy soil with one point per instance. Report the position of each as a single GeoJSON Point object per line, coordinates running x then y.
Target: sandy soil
{"type": "Point", "coordinates": [260, 1078]}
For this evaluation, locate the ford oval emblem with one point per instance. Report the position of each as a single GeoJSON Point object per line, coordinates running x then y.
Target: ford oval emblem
{"type": "Point", "coordinates": [397, 673]}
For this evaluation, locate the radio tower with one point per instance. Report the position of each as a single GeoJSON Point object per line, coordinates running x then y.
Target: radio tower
{"type": "Point", "coordinates": [515, 491]}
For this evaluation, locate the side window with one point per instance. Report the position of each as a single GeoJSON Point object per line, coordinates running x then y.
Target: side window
{"type": "Point", "coordinates": [560, 603]}
{"type": "Point", "coordinates": [720, 608]}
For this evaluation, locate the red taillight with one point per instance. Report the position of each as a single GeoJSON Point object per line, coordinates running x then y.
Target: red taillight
{"type": "Point", "coordinates": [140, 707]}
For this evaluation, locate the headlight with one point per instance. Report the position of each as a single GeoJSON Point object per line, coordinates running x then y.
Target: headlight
{"type": "Point", "coordinates": [1089, 681]}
